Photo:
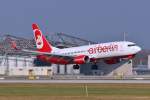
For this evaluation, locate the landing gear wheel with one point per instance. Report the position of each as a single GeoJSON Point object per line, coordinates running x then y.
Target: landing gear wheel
{"type": "Point", "coordinates": [129, 62]}
{"type": "Point", "coordinates": [94, 67]}
{"type": "Point", "coordinates": [76, 66]}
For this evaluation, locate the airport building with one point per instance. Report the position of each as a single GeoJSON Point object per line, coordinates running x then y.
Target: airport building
{"type": "Point", "coordinates": [18, 63]}
{"type": "Point", "coordinates": [142, 69]}
{"type": "Point", "coordinates": [25, 65]}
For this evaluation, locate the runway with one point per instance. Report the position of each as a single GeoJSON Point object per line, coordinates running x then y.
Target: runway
{"type": "Point", "coordinates": [76, 81]}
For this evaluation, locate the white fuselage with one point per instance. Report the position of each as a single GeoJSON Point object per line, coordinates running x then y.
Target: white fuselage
{"type": "Point", "coordinates": [81, 54]}
{"type": "Point", "coordinates": [102, 50]}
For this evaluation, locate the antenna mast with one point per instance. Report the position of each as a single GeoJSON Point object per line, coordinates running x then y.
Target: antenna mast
{"type": "Point", "coordinates": [124, 36]}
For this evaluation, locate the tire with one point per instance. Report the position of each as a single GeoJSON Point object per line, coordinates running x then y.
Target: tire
{"type": "Point", "coordinates": [76, 67]}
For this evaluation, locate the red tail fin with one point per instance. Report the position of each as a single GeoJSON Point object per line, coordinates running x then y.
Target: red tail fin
{"type": "Point", "coordinates": [41, 42]}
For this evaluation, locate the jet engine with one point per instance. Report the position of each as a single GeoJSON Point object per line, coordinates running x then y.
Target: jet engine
{"type": "Point", "coordinates": [81, 59]}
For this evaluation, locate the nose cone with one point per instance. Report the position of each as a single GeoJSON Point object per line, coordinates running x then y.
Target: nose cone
{"type": "Point", "coordinates": [138, 49]}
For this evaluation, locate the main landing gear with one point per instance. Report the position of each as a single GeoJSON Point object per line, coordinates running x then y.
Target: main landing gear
{"type": "Point", "coordinates": [76, 66]}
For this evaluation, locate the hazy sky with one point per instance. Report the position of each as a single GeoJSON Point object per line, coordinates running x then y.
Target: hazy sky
{"type": "Point", "coordinates": [96, 20]}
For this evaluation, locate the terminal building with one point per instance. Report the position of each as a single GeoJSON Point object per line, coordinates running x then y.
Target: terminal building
{"type": "Point", "coordinates": [143, 68]}
{"type": "Point", "coordinates": [18, 63]}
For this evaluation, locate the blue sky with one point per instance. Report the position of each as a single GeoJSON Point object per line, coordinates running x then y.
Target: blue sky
{"type": "Point", "coordinates": [96, 20]}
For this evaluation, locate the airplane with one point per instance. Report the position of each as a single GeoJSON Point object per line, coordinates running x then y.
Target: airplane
{"type": "Point", "coordinates": [110, 53]}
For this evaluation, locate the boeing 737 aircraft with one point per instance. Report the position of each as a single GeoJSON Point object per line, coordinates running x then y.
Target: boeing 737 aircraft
{"type": "Point", "coordinates": [110, 53]}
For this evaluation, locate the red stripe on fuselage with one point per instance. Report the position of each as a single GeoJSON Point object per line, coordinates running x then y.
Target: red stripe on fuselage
{"type": "Point", "coordinates": [55, 60]}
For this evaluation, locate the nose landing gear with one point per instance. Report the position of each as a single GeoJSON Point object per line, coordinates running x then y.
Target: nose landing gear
{"type": "Point", "coordinates": [76, 66]}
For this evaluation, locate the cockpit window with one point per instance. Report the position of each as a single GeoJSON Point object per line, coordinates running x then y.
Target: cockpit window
{"type": "Point", "coordinates": [131, 45]}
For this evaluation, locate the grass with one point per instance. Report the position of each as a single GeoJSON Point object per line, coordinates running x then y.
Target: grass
{"type": "Point", "coordinates": [74, 91]}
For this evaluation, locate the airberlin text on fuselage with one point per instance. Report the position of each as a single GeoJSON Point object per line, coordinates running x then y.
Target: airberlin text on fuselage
{"type": "Point", "coordinates": [101, 49]}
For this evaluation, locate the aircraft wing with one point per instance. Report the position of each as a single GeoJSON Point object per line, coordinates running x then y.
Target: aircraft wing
{"type": "Point", "coordinates": [68, 58]}
{"type": "Point", "coordinates": [47, 54]}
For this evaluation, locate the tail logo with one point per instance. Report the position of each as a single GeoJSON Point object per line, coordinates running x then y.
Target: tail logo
{"type": "Point", "coordinates": [42, 43]}
{"type": "Point", "coordinates": [39, 40]}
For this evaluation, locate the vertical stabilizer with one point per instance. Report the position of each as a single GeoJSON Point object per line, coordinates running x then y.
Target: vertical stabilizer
{"type": "Point", "coordinates": [41, 43]}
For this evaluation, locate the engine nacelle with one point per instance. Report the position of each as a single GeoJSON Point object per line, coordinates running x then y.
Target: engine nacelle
{"type": "Point", "coordinates": [81, 59]}
{"type": "Point", "coordinates": [112, 61]}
